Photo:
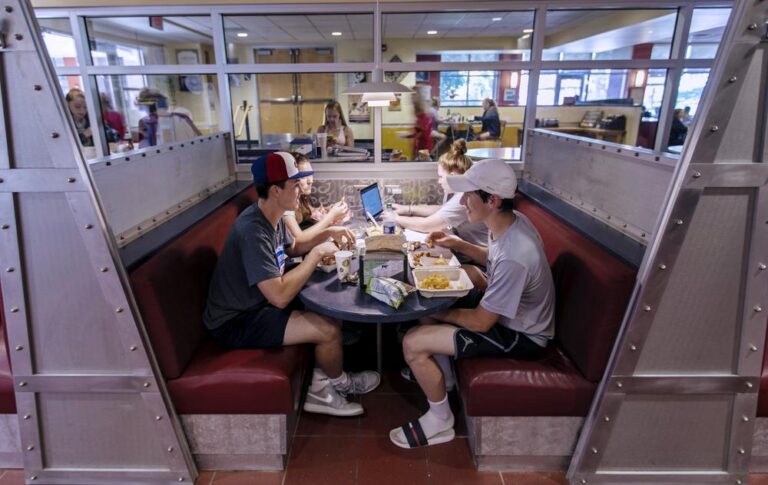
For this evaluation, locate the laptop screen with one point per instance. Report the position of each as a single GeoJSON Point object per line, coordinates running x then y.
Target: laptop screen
{"type": "Point", "coordinates": [371, 198]}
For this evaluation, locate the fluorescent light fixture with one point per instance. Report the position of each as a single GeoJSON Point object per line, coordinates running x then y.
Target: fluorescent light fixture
{"type": "Point", "coordinates": [431, 32]}
{"type": "Point", "coordinates": [527, 31]}
{"type": "Point", "coordinates": [378, 99]}
{"type": "Point", "coordinates": [525, 36]}
{"type": "Point", "coordinates": [640, 77]}
{"type": "Point", "coordinates": [336, 34]}
{"type": "Point", "coordinates": [495, 19]}
{"type": "Point", "coordinates": [242, 34]}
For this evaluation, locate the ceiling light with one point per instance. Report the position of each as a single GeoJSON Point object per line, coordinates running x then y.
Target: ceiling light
{"type": "Point", "coordinates": [242, 34]}
{"type": "Point", "coordinates": [431, 32]}
{"type": "Point", "coordinates": [495, 19]}
{"type": "Point", "coordinates": [336, 34]}
{"type": "Point", "coordinates": [527, 31]}
{"type": "Point", "coordinates": [525, 36]}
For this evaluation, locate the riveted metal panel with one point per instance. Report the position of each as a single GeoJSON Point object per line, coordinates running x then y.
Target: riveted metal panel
{"type": "Point", "coordinates": [697, 320]}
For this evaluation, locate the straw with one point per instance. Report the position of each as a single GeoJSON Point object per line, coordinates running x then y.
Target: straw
{"type": "Point", "coordinates": [367, 213]}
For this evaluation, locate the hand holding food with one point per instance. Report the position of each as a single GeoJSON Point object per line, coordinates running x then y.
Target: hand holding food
{"type": "Point", "coordinates": [342, 236]}
{"type": "Point", "coordinates": [323, 250]}
{"type": "Point", "coordinates": [338, 212]}
{"type": "Point", "coordinates": [440, 238]}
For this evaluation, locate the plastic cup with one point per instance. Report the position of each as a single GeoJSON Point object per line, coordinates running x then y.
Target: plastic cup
{"type": "Point", "coordinates": [322, 143]}
{"type": "Point", "coordinates": [343, 264]}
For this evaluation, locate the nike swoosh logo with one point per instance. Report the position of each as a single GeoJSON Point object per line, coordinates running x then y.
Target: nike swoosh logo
{"type": "Point", "coordinates": [327, 399]}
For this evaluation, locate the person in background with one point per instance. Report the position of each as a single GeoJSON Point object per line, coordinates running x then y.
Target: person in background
{"type": "Point", "coordinates": [491, 129]}
{"type": "Point", "coordinates": [451, 214]}
{"type": "Point", "coordinates": [79, 111]}
{"type": "Point", "coordinates": [252, 300]}
{"type": "Point", "coordinates": [437, 137]}
{"type": "Point", "coordinates": [422, 128]}
{"type": "Point", "coordinates": [687, 118]}
{"type": "Point", "coordinates": [512, 318]}
{"type": "Point", "coordinates": [334, 124]}
{"type": "Point", "coordinates": [162, 123]}
{"type": "Point", "coordinates": [307, 221]}
{"type": "Point", "coordinates": [678, 131]}
{"type": "Point", "coordinates": [115, 120]}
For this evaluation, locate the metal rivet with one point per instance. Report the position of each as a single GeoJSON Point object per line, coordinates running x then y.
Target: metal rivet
{"type": "Point", "coordinates": [749, 385]}
{"type": "Point", "coordinates": [27, 417]}
{"type": "Point", "coordinates": [103, 269]}
{"type": "Point", "coordinates": [619, 385]}
{"type": "Point", "coordinates": [757, 308]}
{"type": "Point", "coordinates": [594, 450]}
{"type": "Point", "coordinates": [751, 26]}
{"type": "Point", "coordinates": [54, 134]}
{"type": "Point", "coordinates": [119, 309]}
{"type": "Point", "coordinates": [738, 481]}
{"type": "Point", "coordinates": [170, 449]}
{"type": "Point", "coordinates": [158, 418]}
{"type": "Point", "coordinates": [146, 384]}
{"type": "Point", "coordinates": [30, 447]}
{"type": "Point", "coordinates": [8, 8]}
{"type": "Point", "coordinates": [662, 266]}
{"type": "Point", "coordinates": [741, 451]}
{"type": "Point", "coordinates": [71, 180]}
{"type": "Point", "coordinates": [89, 226]}
{"type": "Point", "coordinates": [642, 234]}
{"type": "Point", "coordinates": [760, 266]}
{"type": "Point", "coordinates": [19, 348]}
{"type": "Point", "coordinates": [679, 222]}
{"type": "Point", "coordinates": [33, 477]}
{"type": "Point", "coordinates": [624, 226]}
{"type": "Point", "coordinates": [18, 36]}
{"type": "Point", "coordinates": [732, 79]}
{"type": "Point", "coordinates": [181, 479]}
{"type": "Point", "coordinates": [37, 87]}
{"type": "Point", "coordinates": [632, 347]}
{"type": "Point", "coordinates": [583, 480]}
{"type": "Point", "coordinates": [646, 308]}
{"type": "Point", "coordinates": [133, 348]}
{"type": "Point", "coordinates": [753, 347]}
{"type": "Point", "coordinates": [14, 309]}
{"type": "Point", "coordinates": [745, 419]}
{"type": "Point", "coordinates": [5, 226]}
{"type": "Point", "coordinates": [696, 175]}
{"type": "Point", "coordinates": [22, 384]}
{"type": "Point", "coordinates": [714, 128]}
{"type": "Point", "coordinates": [9, 269]}
{"type": "Point", "coordinates": [607, 419]}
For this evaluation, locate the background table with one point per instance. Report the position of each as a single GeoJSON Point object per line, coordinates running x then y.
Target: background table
{"type": "Point", "coordinates": [324, 294]}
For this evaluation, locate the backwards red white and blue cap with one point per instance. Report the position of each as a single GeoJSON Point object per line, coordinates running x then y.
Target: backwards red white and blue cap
{"type": "Point", "coordinates": [277, 167]}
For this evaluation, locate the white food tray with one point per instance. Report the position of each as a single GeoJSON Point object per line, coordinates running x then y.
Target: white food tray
{"type": "Point", "coordinates": [457, 277]}
{"type": "Point", "coordinates": [431, 257]}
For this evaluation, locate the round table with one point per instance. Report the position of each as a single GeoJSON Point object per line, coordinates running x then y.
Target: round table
{"type": "Point", "coordinates": [326, 295]}
{"type": "Point", "coordinates": [507, 153]}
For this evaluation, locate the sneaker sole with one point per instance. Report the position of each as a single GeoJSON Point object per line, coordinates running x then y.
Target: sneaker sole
{"type": "Point", "coordinates": [318, 409]}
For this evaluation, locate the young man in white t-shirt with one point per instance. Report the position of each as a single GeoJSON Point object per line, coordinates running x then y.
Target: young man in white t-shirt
{"type": "Point", "coordinates": [513, 317]}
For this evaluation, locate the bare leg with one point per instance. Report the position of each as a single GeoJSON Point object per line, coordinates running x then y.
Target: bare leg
{"type": "Point", "coordinates": [324, 332]}
{"type": "Point", "coordinates": [419, 345]}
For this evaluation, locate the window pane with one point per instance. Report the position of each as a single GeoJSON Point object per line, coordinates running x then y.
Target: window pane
{"type": "Point", "coordinates": [707, 27]}
{"type": "Point", "coordinates": [457, 36]}
{"type": "Point", "coordinates": [287, 39]}
{"type": "Point", "coordinates": [141, 41]}
{"type": "Point", "coordinates": [153, 110]}
{"type": "Point", "coordinates": [57, 36]}
{"type": "Point", "coordinates": [608, 34]}
{"type": "Point", "coordinates": [423, 125]}
{"type": "Point", "coordinates": [692, 83]}
{"type": "Point", "coordinates": [284, 110]}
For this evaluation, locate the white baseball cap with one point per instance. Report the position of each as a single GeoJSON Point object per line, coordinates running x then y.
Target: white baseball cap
{"type": "Point", "coordinates": [496, 177]}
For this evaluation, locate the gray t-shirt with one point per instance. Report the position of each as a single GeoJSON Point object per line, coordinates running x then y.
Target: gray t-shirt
{"type": "Point", "coordinates": [455, 216]}
{"type": "Point", "coordinates": [520, 286]}
{"type": "Point", "coordinates": [253, 252]}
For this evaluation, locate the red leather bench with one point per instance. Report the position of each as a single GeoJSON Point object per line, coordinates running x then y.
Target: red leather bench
{"type": "Point", "coordinates": [7, 398]}
{"type": "Point", "coordinates": [762, 398]}
{"type": "Point", "coordinates": [592, 290]}
{"type": "Point", "coordinates": [171, 289]}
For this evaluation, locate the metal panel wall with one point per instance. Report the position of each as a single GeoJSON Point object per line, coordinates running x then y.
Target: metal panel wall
{"type": "Point", "coordinates": [679, 397]}
{"type": "Point", "coordinates": [92, 404]}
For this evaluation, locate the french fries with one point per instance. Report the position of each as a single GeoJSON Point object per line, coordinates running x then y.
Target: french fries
{"type": "Point", "coordinates": [435, 282]}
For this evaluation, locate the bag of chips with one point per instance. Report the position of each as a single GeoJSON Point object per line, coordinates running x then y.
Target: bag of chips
{"type": "Point", "coordinates": [388, 290]}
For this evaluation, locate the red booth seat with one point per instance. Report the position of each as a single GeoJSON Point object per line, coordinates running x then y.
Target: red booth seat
{"type": "Point", "coordinates": [7, 397]}
{"type": "Point", "coordinates": [171, 290]}
{"type": "Point", "coordinates": [592, 289]}
{"type": "Point", "coordinates": [762, 398]}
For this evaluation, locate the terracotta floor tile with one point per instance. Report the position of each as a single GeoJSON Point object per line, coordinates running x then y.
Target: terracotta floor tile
{"type": "Point", "coordinates": [247, 478]}
{"type": "Point", "coordinates": [205, 478]}
{"type": "Point", "coordinates": [754, 479]}
{"type": "Point", "coordinates": [541, 478]}
{"type": "Point", "coordinates": [381, 462]}
{"type": "Point", "coordinates": [452, 463]}
{"type": "Point", "coordinates": [12, 477]}
{"type": "Point", "coordinates": [386, 411]}
{"type": "Point", "coordinates": [393, 383]}
{"type": "Point", "coordinates": [322, 460]}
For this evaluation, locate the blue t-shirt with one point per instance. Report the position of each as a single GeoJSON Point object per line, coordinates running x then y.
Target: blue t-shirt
{"type": "Point", "coordinates": [253, 252]}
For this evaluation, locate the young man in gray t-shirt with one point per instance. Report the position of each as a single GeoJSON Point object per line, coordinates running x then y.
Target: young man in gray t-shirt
{"type": "Point", "coordinates": [513, 317]}
{"type": "Point", "coordinates": [251, 296]}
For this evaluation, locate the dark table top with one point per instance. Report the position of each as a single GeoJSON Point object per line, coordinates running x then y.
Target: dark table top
{"type": "Point", "coordinates": [324, 294]}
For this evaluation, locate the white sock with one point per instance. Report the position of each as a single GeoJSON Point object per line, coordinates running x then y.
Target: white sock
{"type": "Point", "coordinates": [445, 364]}
{"type": "Point", "coordinates": [439, 417]}
{"type": "Point", "coordinates": [319, 379]}
{"type": "Point", "coordinates": [341, 383]}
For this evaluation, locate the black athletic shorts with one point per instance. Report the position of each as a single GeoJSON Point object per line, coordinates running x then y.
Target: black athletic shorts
{"type": "Point", "coordinates": [261, 328]}
{"type": "Point", "coordinates": [498, 341]}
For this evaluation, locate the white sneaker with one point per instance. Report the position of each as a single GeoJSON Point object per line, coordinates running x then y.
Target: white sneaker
{"type": "Point", "coordinates": [362, 382]}
{"type": "Point", "coordinates": [331, 402]}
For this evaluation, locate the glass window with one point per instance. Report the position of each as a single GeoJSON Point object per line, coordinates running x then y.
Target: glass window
{"type": "Point", "coordinates": [284, 111]}
{"type": "Point", "coordinates": [608, 34]}
{"type": "Point", "coordinates": [457, 36]}
{"type": "Point", "coordinates": [70, 82]}
{"type": "Point", "coordinates": [583, 86]}
{"type": "Point", "coordinates": [654, 90]}
{"type": "Point", "coordinates": [692, 83]}
{"type": "Point", "coordinates": [421, 126]}
{"type": "Point", "coordinates": [148, 110]}
{"type": "Point", "coordinates": [57, 36]}
{"type": "Point", "coordinates": [141, 41]}
{"type": "Point", "coordinates": [287, 39]}
{"type": "Point", "coordinates": [707, 27]}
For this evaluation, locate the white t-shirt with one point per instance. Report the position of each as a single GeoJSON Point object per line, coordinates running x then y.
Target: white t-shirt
{"type": "Point", "coordinates": [520, 287]}
{"type": "Point", "coordinates": [455, 216]}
